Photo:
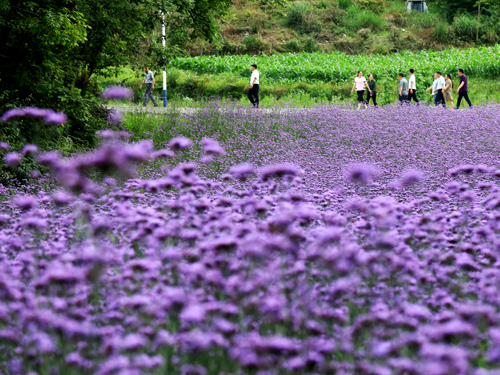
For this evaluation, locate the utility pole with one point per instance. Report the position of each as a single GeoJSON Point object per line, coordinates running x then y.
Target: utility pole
{"type": "Point", "coordinates": [164, 66]}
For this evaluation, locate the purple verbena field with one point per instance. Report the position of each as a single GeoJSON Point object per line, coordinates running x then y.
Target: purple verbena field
{"type": "Point", "coordinates": [311, 241]}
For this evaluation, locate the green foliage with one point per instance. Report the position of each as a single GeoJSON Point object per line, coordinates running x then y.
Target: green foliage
{"type": "Point", "coordinates": [376, 6]}
{"type": "Point", "coordinates": [345, 4]}
{"type": "Point", "coordinates": [338, 67]}
{"type": "Point", "coordinates": [441, 31]}
{"type": "Point", "coordinates": [255, 43]}
{"type": "Point", "coordinates": [292, 46]}
{"type": "Point", "coordinates": [301, 18]}
{"type": "Point", "coordinates": [465, 27]}
{"type": "Point", "coordinates": [368, 19]}
{"type": "Point", "coordinates": [425, 20]}
{"type": "Point", "coordinates": [297, 15]}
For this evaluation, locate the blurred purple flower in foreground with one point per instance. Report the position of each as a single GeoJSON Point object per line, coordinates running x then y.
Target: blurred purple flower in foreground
{"type": "Point", "coordinates": [118, 93]}
{"type": "Point", "coordinates": [115, 117]}
{"type": "Point", "coordinates": [49, 116]}
{"type": "Point", "coordinates": [411, 177]}
{"type": "Point", "coordinates": [180, 143]}
{"type": "Point", "coordinates": [362, 174]}
{"type": "Point", "coordinates": [13, 158]}
{"type": "Point", "coordinates": [280, 170]}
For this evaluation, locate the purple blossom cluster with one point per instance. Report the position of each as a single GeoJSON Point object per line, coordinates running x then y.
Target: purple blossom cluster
{"type": "Point", "coordinates": [47, 115]}
{"type": "Point", "coordinates": [321, 241]}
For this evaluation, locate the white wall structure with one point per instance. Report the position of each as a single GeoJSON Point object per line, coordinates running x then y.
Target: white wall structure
{"type": "Point", "coordinates": [416, 6]}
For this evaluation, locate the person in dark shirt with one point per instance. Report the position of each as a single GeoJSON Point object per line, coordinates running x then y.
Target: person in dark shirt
{"type": "Point", "coordinates": [463, 90]}
{"type": "Point", "coordinates": [372, 94]}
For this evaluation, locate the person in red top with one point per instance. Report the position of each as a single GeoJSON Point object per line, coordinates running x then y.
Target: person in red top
{"type": "Point", "coordinates": [463, 90]}
{"type": "Point", "coordinates": [359, 85]}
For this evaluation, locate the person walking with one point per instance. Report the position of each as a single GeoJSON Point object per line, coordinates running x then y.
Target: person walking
{"type": "Point", "coordinates": [433, 88]}
{"type": "Point", "coordinates": [463, 90]}
{"type": "Point", "coordinates": [149, 80]}
{"type": "Point", "coordinates": [372, 94]}
{"type": "Point", "coordinates": [403, 88]}
{"type": "Point", "coordinates": [439, 89]}
{"type": "Point", "coordinates": [359, 85]}
{"type": "Point", "coordinates": [253, 93]}
{"type": "Point", "coordinates": [412, 87]}
{"type": "Point", "coordinates": [448, 90]}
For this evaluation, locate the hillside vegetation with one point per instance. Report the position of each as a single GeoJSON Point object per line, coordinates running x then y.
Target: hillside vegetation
{"type": "Point", "coordinates": [350, 26]}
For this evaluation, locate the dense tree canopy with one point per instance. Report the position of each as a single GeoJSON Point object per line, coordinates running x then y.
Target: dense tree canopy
{"type": "Point", "coordinates": [51, 48]}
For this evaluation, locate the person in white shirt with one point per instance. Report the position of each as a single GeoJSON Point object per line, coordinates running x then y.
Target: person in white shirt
{"type": "Point", "coordinates": [359, 85]}
{"type": "Point", "coordinates": [412, 87]}
{"type": "Point", "coordinates": [433, 88]}
{"type": "Point", "coordinates": [439, 89]}
{"type": "Point", "coordinates": [253, 93]}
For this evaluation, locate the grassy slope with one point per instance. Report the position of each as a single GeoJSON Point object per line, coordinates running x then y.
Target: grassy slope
{"type": "Point", "coordinates": [350, 26]}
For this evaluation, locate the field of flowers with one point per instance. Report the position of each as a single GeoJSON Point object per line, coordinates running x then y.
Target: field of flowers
{"type": "Point", "coordinates": [312, 241]}
{"type": "Point", "coordinates": [338, 67]}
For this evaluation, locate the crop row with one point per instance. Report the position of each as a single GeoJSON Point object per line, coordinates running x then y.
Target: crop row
{"type": "Point", "coordinates": [338, 67]}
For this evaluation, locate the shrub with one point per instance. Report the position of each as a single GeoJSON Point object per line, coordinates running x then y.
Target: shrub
{"type": "Point", "coordinates": [323, 4]}
{"type": "Point", "coordinates": [368, 19]}
{"type": "Point", "coordinates": [173, 75]}
{"type": "Point", "coordinates": [297, 14]}
{"type": "Point", "coordinates": [292, 45]}
{"type": "Point", "coordinates": [465, 27]}
{"type": "Point", "coordinates": [376, 6]}
{"type": "Point", "coordinates": [254, 43]}
{"type": "Point", "coordinates": [441, 31]}
{"type": "Point", "coordinates": [310, 45]}
{"type": "Point", "coordinates": [425, 20]}
{"type": "Point", "coordinates": [345, 4]}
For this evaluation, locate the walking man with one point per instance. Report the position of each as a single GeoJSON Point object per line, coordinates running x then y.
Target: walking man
{"type": "Point", "coordinates": [403, 88]}
{"type": "Point", "coordinates": [253, 93]}
{"type": "Point", "coordinates": [412, 89]}
{"type": "Point", "coordinates": [149, 80]}
{"type": "Point", "coordinates": [433, 88]}
{"type": "Point", "coordinates": [463, 91]}
{"type": "Point", "coordinates": [440, 83]}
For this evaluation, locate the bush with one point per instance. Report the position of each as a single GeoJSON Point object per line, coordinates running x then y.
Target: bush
{"type": "Point", "coordinates": [310, 45]}
{"type": "Point", "coordinates": [292, 46]}
{"type": "Point", "coordinates": [297, 15]}
{"type": "Point", "coordinates": [376, 6]}
{"type": "Point", "coordinates": [254, 43]}
{"type": "Point", "coordinates": [345, 4]}
{"type": "Point", "coordinates": [465, 27]}
{"type": "Point", "coordinates": [173, 75]}
{"type": "Point", "coordinates": [368, 19]}
{"type": "Point", "coordinates": [425, 20]}
{"type": "Point", "coordinates": [441, 31]}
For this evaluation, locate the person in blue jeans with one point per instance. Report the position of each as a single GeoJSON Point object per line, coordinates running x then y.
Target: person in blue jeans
{"type": "Point", "coordinates": [463, 90]}
{"type": "Point", "coordinates": [149, 80]}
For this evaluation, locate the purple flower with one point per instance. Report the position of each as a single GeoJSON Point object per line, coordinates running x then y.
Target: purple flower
{"type": "Point", "coordinates": [4, 146]}
{"type": "Point", "coordinates": [29, 149]}
{"type": "Point", "coordinates": [179, 143]}
{"type": "Point", "coordinates": [12, 114]}
{"type": "Point", "coordinates": [56, 118]}
{"type": "Point", "coordinates": [13, 158]}
{"type": "Point", "coordinates": [242, 171]}
{"type": "Point", "coordinates": [212, 147]}
{"type": "Point", "coordinates": [118, 93]}
{"type": "Point", "coordinates": [280, 170]}
{"type": "Point", "coordinates": [25, 202]}
{"type": "Point", "coordinates": [133, 341]}
{"type": "Point", "coordinates": [411, 177]}
{"type": "Point", "coordinates": [362, 174]}
{"type": "Point", "coordinates": [115, 117]}
{"type": "Point", "coordinates": [193, 370]}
